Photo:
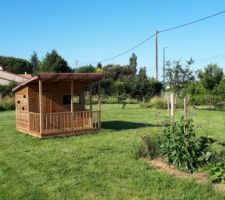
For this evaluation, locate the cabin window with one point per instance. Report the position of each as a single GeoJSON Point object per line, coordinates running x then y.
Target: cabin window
{"type": "Point", "coordinates": [18, 102]}
{"type": "Point", "coordinates": [76, 99]}
{"type": "Point", "coordinates": [23, 108]}
{"type": "Point", "coordinates": [66, 99]}
{"type": "Point", "coordinates": [24, 96]}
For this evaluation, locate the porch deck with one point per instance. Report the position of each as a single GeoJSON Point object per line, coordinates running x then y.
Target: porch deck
{"type": "Point", "coordinates": [60, 123]}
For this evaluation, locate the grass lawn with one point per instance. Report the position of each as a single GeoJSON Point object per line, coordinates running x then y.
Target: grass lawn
{"type": "Point", "coordinates": [100, 166]}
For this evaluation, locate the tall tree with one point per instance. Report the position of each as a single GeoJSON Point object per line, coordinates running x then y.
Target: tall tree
{"type": "Point", "coordinates": [15, 65]}
{"type": "Point", "coordinates": [34, 62]}
{"type": "Point", "coordinates": [210, 77]}
{"type": "Point", "coordinates": [53, 62]}
{"type": "Point", "coordinates": [133, 63]}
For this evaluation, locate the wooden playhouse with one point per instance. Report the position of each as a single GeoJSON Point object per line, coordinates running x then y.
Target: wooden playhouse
{"type": "Point", "coordinates": [52, 104]}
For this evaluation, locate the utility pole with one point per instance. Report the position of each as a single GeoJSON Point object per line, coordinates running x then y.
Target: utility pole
{"type": "Point", "coordinates": [77, 64]}
{"type": "Point", "coordinates": [156, 56]}
{"type": "Point", "coordinates": [164, 68]}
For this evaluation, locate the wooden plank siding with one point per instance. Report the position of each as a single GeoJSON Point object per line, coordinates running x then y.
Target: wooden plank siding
{"type": "Point", "coordinates": [57, 118]}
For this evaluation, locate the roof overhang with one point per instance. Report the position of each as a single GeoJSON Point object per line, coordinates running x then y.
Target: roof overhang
{"type": "Point", "coordinates": [56, 77]}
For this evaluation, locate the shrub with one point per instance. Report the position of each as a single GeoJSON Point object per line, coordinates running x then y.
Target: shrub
{"type": "Point", "coordinates": [182, 148]}
{"type": "Point", "coordinates": [149, 146]}
{"type": "Point", "coordinates": [7, 104]}
{"type": "Point", "coordinates": [156, 102]}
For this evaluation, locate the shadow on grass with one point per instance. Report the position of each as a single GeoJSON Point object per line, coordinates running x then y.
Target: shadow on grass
{"type": "Point", "coordinates": [124, 125]}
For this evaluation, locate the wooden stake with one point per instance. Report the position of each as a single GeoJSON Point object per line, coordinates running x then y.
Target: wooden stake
{"type": "Point", "coordinates": [185, 108]}
{"type": "Point", "coordinates": [168, 105]}
{"type": "Point", "coordinates": [40, 106]}
{"type": "Point", "coordinates": [172, 98]}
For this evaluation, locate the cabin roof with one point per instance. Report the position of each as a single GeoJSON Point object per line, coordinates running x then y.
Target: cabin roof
{"type": "Point", "coordinates": [55, 77]}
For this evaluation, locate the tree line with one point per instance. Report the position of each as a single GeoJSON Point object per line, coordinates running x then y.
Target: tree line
{"type": "Point", "coordinates": [206, 86]}
{"type": "Point", "coordinates": [121, 81]}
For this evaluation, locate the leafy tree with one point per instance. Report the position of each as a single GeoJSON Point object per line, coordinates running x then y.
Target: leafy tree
{"type": "Point", "coordinates": [99, 65]}
{"type": "Point", "coordinates": [86, 69]}
{"type": "Point", "coordinates": [6, 90]}
{"type": "Point", "coordinates": [15, 65]}
{"type": "Point", "coordinates": [210, 77]}
{"type": "Point", "coordinates": [34, 62]}
{"type": "Point", "coordinates": [53, 62]}
{"type": "Point", "coordinates": [133, 63]}
{"type": "Point", "coordinates": [178, 77]}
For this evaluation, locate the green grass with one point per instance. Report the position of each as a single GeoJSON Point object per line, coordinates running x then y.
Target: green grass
{"type": "Point", "coordinates": [100, 166]}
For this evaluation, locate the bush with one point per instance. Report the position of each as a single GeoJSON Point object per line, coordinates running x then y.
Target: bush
{"type": "Point", "coordinates": [182, 148]}
{"type": "Point", "coordinates": [7, 104]}
{"type": "Point", "coordinates": [149, 146]}
{"type": "Point", "coordinates": [161, 103]}
{"type": "Point", "coordinates": [156, 102]}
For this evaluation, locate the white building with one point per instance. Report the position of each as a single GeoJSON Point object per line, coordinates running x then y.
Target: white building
{"type": "Point", "coordinates": [7, 77]}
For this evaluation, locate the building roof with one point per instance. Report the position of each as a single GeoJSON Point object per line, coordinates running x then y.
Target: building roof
{"type": "Point", "coordinates": [9, 76]}
{"type": "Point", "coordinates": [55, 77]}
{"type": "Point", "coordinates": [27, 76]}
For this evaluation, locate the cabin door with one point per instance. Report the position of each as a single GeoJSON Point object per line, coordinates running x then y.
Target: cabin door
{"type": "Point", "coordinates": [47, 102]}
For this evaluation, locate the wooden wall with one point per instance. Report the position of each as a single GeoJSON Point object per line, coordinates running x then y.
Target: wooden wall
{"type": "Point", "coordinates": [22, 109]}
{"type": "Point", "coordinates": [53, 93]}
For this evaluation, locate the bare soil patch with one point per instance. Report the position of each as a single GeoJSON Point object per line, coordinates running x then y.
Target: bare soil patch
{"type": "Point", "coordinates": [162, 166]}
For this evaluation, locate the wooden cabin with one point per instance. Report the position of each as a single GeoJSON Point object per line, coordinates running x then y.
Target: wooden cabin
{"type": "Point", "coordinates": [53, 104]}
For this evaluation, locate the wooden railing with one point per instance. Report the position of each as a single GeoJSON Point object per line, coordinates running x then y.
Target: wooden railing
{"type": "Point", "coordinates": [65, 122]}
{"type": "Point", "coordinates": [34, 124]}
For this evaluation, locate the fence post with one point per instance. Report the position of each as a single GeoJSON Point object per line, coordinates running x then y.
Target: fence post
{"type": "Point", "coordinates": [172, 101]}
{"type": "Point", "coordinates": [186, 108]}
{"type": "Point", "coordinates": [168, 105]}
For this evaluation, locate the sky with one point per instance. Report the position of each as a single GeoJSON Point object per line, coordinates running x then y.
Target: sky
{"type": "Point", "coordinates": [92, 30]}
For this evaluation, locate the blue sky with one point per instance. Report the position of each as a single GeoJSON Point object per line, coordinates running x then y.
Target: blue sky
{"type": "Point", "coordinates": [92, 30]}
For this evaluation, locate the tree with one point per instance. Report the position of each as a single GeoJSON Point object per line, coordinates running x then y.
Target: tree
{"type": "Point", "coordinates": [86, 69]}
{"type": "Point", "coordinates": [177, 77]}
{"type": "Point", "coordinates": [210, 77]}
{"type": "Point", "coordinates": [53, 62]}
{"type": "Point", "coordinates": [34, 62]}
{"type": "Point", "coordinates": [15, 65]}
{"type": "Point", "coordinates": [133, 64]}
{"type": "Point", "coordinates": [99, 65]}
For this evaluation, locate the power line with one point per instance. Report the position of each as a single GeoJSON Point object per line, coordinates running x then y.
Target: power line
{"type": "Point", "coordinates": [163, 30]}
{"type": "Point", "coordinates": [193, 22]}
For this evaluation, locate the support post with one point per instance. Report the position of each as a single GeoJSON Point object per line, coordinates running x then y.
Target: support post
{"type": "Point", "coordinates": [40, 106]}
{"type": "Point", "coordinates": [99, 103]}
{"type": "Point", "coordinates": [172, 99]}
{"type": "Point", "coordinates": [168, 105]}
{"type": "Point", "coordinates": [71, 106]}
{"type": "Point", "coordinates": [90, 97]}
{"type": "Point", "coordinates": [186, 108]}
{"type": "Point", "coordinates": [156, 55]}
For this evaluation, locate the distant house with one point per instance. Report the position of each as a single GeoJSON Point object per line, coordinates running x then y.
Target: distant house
{"type": "Point", "coordinates": [7, 77]}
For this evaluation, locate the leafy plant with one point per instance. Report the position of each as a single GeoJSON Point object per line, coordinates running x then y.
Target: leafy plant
{"type": "Point", "coordinates": [217, 173]}
{"type": "Point", "coordinates": [182, 148]}
{"type": "Point", "coordinates": [149, 146]}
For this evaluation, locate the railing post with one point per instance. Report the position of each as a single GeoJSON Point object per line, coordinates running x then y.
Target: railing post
{"type": "Point", "coordinates": [40, 106]}
{"type": "Point", "coordinates": [90, 97]}
{"type": "Point", "coordinates": [72, 108]}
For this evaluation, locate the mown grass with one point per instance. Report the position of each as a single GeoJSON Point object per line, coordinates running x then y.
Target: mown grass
{"type": "Point", "coordinates": [100, 166]}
